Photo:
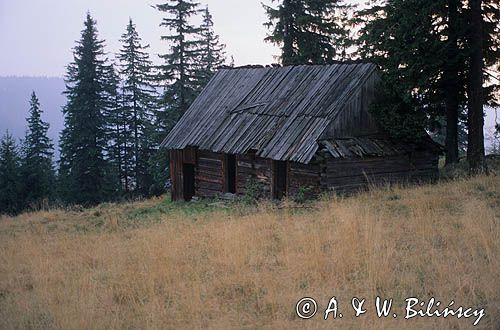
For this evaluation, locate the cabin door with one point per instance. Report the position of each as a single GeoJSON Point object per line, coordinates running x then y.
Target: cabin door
{"type": "Point", "coordinates": [279, 179]}
{"type": "Point", "coordinates": [188, 181]}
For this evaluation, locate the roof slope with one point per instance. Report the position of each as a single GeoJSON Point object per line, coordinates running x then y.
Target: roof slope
{"type": "Point", "coordinates": [279, 112]}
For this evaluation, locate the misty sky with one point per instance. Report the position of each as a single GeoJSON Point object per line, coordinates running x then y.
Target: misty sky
{"type": "Point", "coordinates": [36, 36]}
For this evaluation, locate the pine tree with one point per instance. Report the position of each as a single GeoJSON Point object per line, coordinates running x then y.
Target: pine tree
{"type": "Point", "coordinates": [138, 109]}
{"type": "Point", "coordinates": [181, 62]}
{"type": "Point", "coordinates": [38, 177]}
{"type": "Point", "coordinates": [212, 54]}
{"type": "Point", "coordinates": [399, 36]}
{"type": "Point", "coordinates": [10, 186]}
{"type": "Point", "coordinates": [83, 168]}
{"type": "Point", "coordinates": [308, 31]}
{"type": "Point", "coordinates": [451, 83]}
{"type": "Point", "coordinates": [475, 149]}
{"type": "Point", "coordinates": [179, 75]}
{"type": "Point", "coordinates": [117, 150]}
{"type": "Point", "coordinates": [422, 48]}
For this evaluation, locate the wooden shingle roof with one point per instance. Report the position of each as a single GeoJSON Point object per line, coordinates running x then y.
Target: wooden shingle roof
{"type": "Point", "coordinates": [279, 112]}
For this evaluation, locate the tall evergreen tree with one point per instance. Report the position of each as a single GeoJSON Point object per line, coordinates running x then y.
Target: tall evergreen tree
{"type": "Point", "coordinates": [212, 54]}
{"type": "Point", "coordinates": [116, 119]}
{"type": "Point", "coordinates": [422, 47]}
{"type": "Point", "coordinates": [399, 36]}
{"type": "Point", "coordinates": [83, 168]}
{"type": "Point", "coordinates": [308, 31]}
{"type": "Point", "coordinates": [138, 108]}
{"type": "Point", "coordinates": [475, 145]}
{"type": "Point", "coordinates": [180, 67]}
{"type": "Point", "coordinates": [38, 177]}
{"type": "Point", "coordinates": [10, 187]}
{"type": "Point", "coordinates": [179, 75]}
{"type": "Point", "coordinates": [451, 83]}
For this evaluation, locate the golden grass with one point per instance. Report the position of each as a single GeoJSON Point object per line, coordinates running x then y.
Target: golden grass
{"type": "Point", "coordinates": [246, 269]}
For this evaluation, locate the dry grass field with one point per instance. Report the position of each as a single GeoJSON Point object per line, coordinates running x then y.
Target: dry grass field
{"type": "Point", "coordinates": [158, 265]}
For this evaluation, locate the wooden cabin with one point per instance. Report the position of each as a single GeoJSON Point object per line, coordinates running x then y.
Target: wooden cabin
{"type": "Point", "coordinates": [289, 130]}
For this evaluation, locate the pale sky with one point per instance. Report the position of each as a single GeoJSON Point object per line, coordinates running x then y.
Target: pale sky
{"type": "Point", "coordinates": [37, 36]}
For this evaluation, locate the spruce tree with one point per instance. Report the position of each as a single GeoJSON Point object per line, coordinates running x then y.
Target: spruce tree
{"type": "Point", "coordinates": [475, 145]}
{"type": "Point", "coordinates": [400, 38]}
{"type": "Point", "coordinates": [180, 68]}
{"type": "Point", "coordinates": [38, 177]}
{"type": "Point", "coordinates": [179, 76]}
{"type": "Point", "coordinates": [137, 109]}
{"type": "Point", "coordinates": [451, 83]}
{"type": "Point", "coordinates": [422, 48]}
{"type": "Point", "coordinates": [83, 168]}
{"type": "Point", "coordinates": [308, 31]}
{"type": "Point", "coordinates": [212, 54]}
{"type": "Point", "coordinates": [10, 186]}
{"type": "Point", "coordinates": [117, 150]}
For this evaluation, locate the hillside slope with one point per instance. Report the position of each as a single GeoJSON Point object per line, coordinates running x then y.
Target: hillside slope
{"type": "Point", "coordinates": [158, 265]}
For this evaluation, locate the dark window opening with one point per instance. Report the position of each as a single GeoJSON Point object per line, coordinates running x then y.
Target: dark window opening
{"type": "Point", "coordinates": [280, 179]}
{"type": "Point", "coordinates": [230, 174]}
{"type": "Point", "coordinates": [188, 181]}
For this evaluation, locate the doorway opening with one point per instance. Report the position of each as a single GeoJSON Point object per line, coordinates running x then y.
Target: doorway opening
{"type": "Point", "coordinates": [230, 174]}
{"type": "Point", "coordinates": [279, 179]}
{"type": "Point", "coordinates": [188, 181]}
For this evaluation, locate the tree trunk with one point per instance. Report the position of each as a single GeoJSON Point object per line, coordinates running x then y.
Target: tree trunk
{"type": "Point", "coordinates": [475, 138]}
{"type": "Point", "coordinates": [451, 86]}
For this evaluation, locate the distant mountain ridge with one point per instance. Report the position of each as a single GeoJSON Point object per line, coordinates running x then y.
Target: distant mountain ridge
{"type": "Point", "coordinates": [15, 93]}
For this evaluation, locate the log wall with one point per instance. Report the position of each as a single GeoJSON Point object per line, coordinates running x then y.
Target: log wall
{"type": "Point", "coordinates": [253, 173]}
{"type": "Point", "coordinates": [304, 179]}
{"type": "Point", "coordinates": [351, 175]}
{"type": "Point", "coordinates": [209, 179]}
{"type": "Point", "coordinates": [329, 174]}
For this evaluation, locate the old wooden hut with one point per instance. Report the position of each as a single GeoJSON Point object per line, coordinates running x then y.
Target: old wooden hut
{"type": "Point", "coordinates": [288, 130]}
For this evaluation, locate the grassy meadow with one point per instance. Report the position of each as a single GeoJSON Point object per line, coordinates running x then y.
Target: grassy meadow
{"type": "Point", "coordinates": [155, 264]}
